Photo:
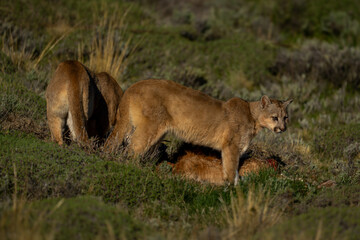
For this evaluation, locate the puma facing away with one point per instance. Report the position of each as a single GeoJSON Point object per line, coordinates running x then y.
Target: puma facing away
{"type": "Point", "coordinates": [83, 101]}
{"type": "Point", "coordinates": [151, 108]}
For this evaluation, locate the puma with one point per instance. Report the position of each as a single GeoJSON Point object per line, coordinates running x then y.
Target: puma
{"type": "Point", "coordinates": [204, 165]}
{"type": "Point", "coordinates": [151, 108]}
{"type": "Point", "coordinates": [84, 101]}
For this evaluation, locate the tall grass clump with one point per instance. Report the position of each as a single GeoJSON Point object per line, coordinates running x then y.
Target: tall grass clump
{"type": "Point", "coordinates": [17, 53]}
{"type": "Point", "coordinates": [109, 48]}
{"type": "Point", "coordinates": [249, 213]}
{"type": "Point", "coordinates": [24, 57]}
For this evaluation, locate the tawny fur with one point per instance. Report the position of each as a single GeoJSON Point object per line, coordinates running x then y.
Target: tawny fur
{"type": "Point", "coordinates": [208, 168]}
{"type": "Point", "coordinates": [151, 108]}
{"type": "Point", "coordinates": [84, 101]}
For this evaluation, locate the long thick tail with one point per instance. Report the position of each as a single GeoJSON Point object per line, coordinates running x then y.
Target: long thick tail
{"type": "Point", "coordinates": [76, 118]}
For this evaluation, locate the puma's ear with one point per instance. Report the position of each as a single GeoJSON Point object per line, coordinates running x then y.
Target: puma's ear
{"type": "Point", "coordinates": [265, 101]}
{"type": "Point", "coordinates": [286, 103]}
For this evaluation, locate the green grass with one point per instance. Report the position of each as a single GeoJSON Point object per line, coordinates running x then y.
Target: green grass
{"type": "Point", "coordinates": [335, 142]}
{"type": "Point", "coordinates": [45, 170]}
{"type": "Point", "coordinates": [39, 170]}
{"type": "Point", "coordinates": [327, 223]}
{"type": "Point", "coordinates": [86, 217]}
{"type": "Point", "coordinates": [19, 95]}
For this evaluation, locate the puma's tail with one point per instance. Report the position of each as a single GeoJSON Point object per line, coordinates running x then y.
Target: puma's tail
{"type": "Point", "coordinates": [76, 117]}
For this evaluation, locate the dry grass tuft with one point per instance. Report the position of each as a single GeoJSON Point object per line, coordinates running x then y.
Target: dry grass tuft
{"type": "Point", "coordinates": [18, 55]}
{"type": "Point", "coordinates": [249, 214]}
{"type": "Point", "coordinates": [16, 223]}
{"type": "Point", "coordinates": [21, 56]}
{"type": "Point", "coordinates": [109, 50]}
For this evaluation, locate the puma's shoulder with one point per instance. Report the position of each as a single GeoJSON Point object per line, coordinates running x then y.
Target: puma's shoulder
{"type": "Point", "coordinates": [238, 110]}
{"type": "Point", "coordinates": [238, 105]}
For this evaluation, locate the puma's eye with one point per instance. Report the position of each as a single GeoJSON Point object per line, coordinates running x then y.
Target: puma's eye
{"type": "Point", "coordinates": [275, 119]}
{"type": "Point", "coordinates": [286, 117]}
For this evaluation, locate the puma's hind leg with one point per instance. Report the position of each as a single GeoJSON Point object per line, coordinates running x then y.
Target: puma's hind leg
{"type": "Point", "coordinates": [146, 135]}
{"type": "Point", "coordinates": [79, 111]}
{"type": "Point", "coordinates": [56, 125]}
{"type": "Point", "coordinates": [77, 127]}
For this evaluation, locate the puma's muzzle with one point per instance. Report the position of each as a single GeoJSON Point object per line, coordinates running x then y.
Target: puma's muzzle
{"type": "Point", "coordinates": [279, 129]}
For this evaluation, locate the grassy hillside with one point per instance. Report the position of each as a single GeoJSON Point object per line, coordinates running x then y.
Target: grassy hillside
{"type": "Point", "coordinates": [305, 50]}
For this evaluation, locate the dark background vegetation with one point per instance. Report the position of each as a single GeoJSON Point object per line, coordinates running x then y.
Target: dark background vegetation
{"type": "Point", "coordinates": [301, 49]}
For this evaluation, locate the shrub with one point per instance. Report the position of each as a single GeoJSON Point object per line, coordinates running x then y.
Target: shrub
{"type": "Point", "coordinates": [321, 61]}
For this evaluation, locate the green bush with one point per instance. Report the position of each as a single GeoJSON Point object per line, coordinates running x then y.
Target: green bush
{"type": "Point", "coordinates": [316, 61]}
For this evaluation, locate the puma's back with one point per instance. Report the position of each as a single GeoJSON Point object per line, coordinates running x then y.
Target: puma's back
{"type": "Point", "coordinates": [157, 106]}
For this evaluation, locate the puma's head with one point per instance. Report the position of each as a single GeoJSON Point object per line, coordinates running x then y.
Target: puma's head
{"type": "Point", "coordinates": [273, 114]}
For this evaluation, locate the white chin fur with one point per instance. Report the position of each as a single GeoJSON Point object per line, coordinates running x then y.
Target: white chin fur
{"type": "Point", "coordinates": [277, 131]}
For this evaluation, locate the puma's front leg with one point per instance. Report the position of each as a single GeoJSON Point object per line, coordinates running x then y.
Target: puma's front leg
{"type": "Point", "coordinates": [230, 160]}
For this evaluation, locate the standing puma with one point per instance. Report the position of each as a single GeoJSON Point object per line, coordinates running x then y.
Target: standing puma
{"type": "Point", "coordinates": [84, 101]}
{"type": "Point", "coordinates": [151, 108]}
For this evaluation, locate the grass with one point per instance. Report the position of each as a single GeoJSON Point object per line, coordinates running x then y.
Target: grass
{"type": "Point", "coordinates": [80, 217]}
{"type": "Point", "coordinates": [328, 223]}
{"type": "Point", "coordinates": [21, 56]}
{"type": "Point", "coordinates": [41, 170]}
{"type": "Point", "coordinates": [108, 50]}
{"type": "Point", "coordinates": [69, 173]}
{"type": "Point", "coordinates": [17, 98]}
{"type": "Point", "coordinates": [223, 48]}
{"type": "Point", "coordinates": [337, 142]}
{"type": "Point", "coordinates": [248, 214]}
